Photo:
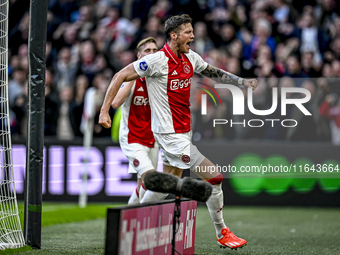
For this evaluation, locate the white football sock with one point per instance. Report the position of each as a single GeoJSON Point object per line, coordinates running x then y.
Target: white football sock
{"type": "Point", "coordinates": [151, 196]}
{"type": "Point", "coordinates": [215, 205]}
{"type": "Point", "coordinates": [142, 191]}
{"type": "Point", "coordinates": [134, 198]}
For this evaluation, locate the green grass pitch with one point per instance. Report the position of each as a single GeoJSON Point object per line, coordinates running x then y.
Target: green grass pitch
{"type": "Point", "coordinates": [67, 229]}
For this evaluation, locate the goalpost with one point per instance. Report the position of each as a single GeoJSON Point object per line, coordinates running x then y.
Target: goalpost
{"type": "Point", "coordinates": [11, 235]}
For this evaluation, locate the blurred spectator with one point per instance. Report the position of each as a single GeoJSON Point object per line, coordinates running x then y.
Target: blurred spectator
{"type": "Point", "coordinates": [281, 13]}
{"type": "Point", "coordinates": [227, 33]}
{"type": "Point", "coordinates": [277, 132]}
{"type": "Point", "coordinates": [327, 71]}
{"type": "Point", "coordinates": [233, 66]}
{"type": "Point", "coordinates": [140, 9]}
{"type": "Point", "coordinates": [51, 54]}
{"type": "Point", "coordinates": [187, 6]}
{"type": "Point", "coordinates": [264, 62]}
{"type": "Point", "coordinates": [306, 129]}
{"type": "Point", "coordinates": [23, 50]}
{"type": "Point", "coordinates": [121, 29]}
{"type": "Point", "coordinates": [251, 43]}
{"type": "Point", "coordinates": [161, 9]}
{"type": "Point", "coordinates": [153, 28]}
{"type": "Point", "coordinates": [122, 57]}
{"type": "Point", "coordinates": [262, 36]}
{"type": "Point", "coordinates": [102, 39]}
{"type": "Point", "coordinates": [17, 85]}
{"type": "Point", "coordinates": [85, 22]}
{"type": "Point", "coordinates": [89, 62]}
{"type": "Point", "coordinates": [19, 109]}
{"type": "Point", "coordinates": [240, 17]}
{"type": "Point", "coordinates": [62, 10]}
{"type": "Point", "coordinates": [77, 104]}
{"type": "Point", "coordinates": [19, 34]}
{"type": "Point", "coordinates": [217, 17]}
{"type": "Point", "coordinates": [235, 49]}
{"type": "Point", "coordinates": [66, 36]}
{"type": "Point", "coordinates": [202, 42]}
{"type": "Point", "coordinates": [311, 37]}
{"type": "Point", "coordinates": [293, 67]}
{"type": "Point", "coordinates": [308, 65]}
{"type": "Point", "coordinates": [335, 47]}
{"type": "Point", "coordinates": [336, 30]}
{"type": "Point", "coordinates": [336, 68]}
{"type": "Point", "coordinates": [88, 41]}
{"type": "Point", "coordinates": [94, 97]}
{"type": "Point", "coordinates": [217, 58]}
{"type": "Point", "coordinates": [14, 63]}
{"type": "Point", "coordinates": [51, 105]}
{"type": "Point", "coordinates": [17, 9]}
{"type": "Point", "coordinates": [64, 128]}
{"type": "Point", "coordinates": [330, 109]}
{"type": "Point", "coordinates": [66, 69]}
{"type": "Point", "coordinates": [325, 13]}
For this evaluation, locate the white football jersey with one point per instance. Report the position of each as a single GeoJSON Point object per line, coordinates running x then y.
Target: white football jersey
{"type": "Point", "coordinates": [169, 79]}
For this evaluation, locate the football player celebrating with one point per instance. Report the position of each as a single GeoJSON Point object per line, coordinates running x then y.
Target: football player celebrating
{"type": "Point", "coordinates": [168, 74]}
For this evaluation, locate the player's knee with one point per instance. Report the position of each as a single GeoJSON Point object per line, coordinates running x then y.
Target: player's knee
{"type": "Point", "coordinates": [172, 170]}
{"type": "Point", "coordinates": [178, 172]}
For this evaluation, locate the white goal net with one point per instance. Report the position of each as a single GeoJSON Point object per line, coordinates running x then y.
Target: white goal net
{"type": "Point", "coordinates": [11, 235]}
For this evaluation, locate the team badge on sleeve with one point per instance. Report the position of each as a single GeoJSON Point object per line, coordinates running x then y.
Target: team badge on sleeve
{"type": "Point", "coordinates": [143, 66]}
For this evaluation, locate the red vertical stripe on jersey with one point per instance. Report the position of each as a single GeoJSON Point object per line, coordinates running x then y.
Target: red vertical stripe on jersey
{"type": "Point", "coordinates": [139, 121]}
{"type": "Point", "coordinates": [178, 90]}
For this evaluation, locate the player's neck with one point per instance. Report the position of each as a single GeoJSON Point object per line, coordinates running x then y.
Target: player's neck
{"type": "Point", "coordinates": [174, 48]}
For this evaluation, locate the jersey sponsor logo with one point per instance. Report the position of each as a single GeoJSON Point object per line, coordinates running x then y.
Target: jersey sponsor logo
{"type": "Point", "coordinates": [186, 159]}
{"type": "Point", "coordinates": [136, 162]}
{"type": "Point", "coordinates": [174, 73]}
{"type": "Point", "coordinates": [140, 100]}
{"type": "Point", "coordinates": [186, 68]}
{"type": "Point", "coordinates": [143, 66]}
{"type": "Point", "coordinates": [140, 89]}
{"type": "Point", "coordinates": [174, 84]}
{"type": "Point", "coordinates": [177, 84]}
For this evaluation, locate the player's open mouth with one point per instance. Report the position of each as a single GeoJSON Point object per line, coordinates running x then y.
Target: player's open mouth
{"type": "Point", "coordinates": [188, 44]}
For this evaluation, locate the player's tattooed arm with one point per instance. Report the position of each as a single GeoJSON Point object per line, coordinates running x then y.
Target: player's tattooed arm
{"type": "Point", "coordinates": [221, 76]}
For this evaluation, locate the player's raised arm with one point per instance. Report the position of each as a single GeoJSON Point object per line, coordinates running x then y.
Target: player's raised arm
{"type": "Point", "coordinates": [126, 74]}
{"type": "Point", "coordinates": [222, 76]}
{"type": "Point", "coordinates": [122, 94]}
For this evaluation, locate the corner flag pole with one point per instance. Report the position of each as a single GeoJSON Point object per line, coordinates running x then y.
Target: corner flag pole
{"type": "Point", "coordinates": [35, 122]}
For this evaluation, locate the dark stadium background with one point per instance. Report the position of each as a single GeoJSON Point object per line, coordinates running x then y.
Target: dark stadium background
{"type": "Point", "coordinates": [283, 43]}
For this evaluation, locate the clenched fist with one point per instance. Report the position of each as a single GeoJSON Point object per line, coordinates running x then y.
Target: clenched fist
{"type": "Point", "coordinates": [250, 83]}
{"type": "Point", "coordinates": [104, 119]}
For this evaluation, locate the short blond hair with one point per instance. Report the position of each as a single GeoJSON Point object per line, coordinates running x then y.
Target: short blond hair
{"type": "Point", "coordinates": [145, 41]}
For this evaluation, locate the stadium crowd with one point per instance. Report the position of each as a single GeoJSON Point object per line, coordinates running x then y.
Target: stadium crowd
{"type": "Point", "coordinates": [283, 43]}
